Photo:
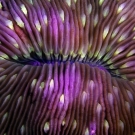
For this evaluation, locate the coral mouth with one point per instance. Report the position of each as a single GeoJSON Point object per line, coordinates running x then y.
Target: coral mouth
{"type": "Point", "coordinates": [35, 60]}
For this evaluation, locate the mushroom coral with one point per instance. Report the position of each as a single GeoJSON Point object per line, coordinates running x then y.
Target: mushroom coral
{"type": "Point", "coordinates": [67, 67]}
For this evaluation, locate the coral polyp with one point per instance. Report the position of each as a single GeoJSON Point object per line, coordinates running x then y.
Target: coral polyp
{"type": "Point", "coordinates": [67, 67]}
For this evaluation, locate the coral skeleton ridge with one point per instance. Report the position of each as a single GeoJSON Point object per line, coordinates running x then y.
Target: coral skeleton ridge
{"type": "Point", "coordinates": [67, 67]}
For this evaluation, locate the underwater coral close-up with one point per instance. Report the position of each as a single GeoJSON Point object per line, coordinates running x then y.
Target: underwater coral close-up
{"type": "Point", "coordinates": [67, 67]}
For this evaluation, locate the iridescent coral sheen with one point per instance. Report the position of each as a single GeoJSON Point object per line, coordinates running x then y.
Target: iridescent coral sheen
{"type": "Point", "coordinates": [67, 67]}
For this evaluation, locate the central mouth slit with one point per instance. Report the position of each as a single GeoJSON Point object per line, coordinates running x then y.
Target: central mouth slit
{"type": "Point", "coordinates": [36, 60]}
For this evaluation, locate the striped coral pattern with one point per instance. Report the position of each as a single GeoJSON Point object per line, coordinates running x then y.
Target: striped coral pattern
{"type": "Point", "coordinates": [67, 67]}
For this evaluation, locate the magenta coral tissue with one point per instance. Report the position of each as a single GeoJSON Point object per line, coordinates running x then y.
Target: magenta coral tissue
{"type": "Point", "coordinates": [67, 67]}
